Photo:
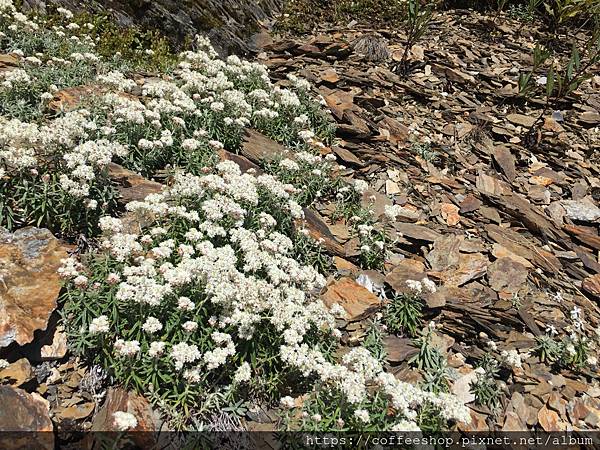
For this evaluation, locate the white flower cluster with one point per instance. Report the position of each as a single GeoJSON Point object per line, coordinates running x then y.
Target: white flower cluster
{"type": "Point", "coordinates": [61, 146]}
{"type": "Point", "coordinates": [360, 371]}
{"type": "Point", "coordinates": [124, 421]}
{"type": "Point", "coordinates": [418, 286]}
{"type": "Point", "coordinates": [232, 273]}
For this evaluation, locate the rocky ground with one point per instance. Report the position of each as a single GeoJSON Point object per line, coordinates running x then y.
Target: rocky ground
{"type": "Point", "coordinates": [505, 224]}
{"type": "Point", "coordinates": [509, 229]}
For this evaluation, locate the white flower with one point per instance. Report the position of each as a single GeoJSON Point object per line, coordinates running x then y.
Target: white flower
{"type": "Point", "coordinates": [156, 349]}
{"type": "Point", "coordinates": [243, 373]}
{"type": "Point", "coordinates": [152, 325]}
{"type": "Point", "coordinates": [414, 285]}
{"type": "Point", "coordinates": [99, 325]}
{"type": "Point", "coordinates": [190, 326]}
{"type": "Point", "coordinates": [406, 426]}
{"type": "Point", "coordinates": [428, 285]}
{"type": "Point", "coordinates": [185, 304]}
{"type": "Point", "coordinates": [124, 421]}
{"type": "Point", "coordinates": [287, 402]}
{"type": "Point", "coordinates": [192, 375]}
{"type": "Point", "coordinates": [360, 186]}
{"type": "Point", "coordinates": [113, 278]}
{"type": "Point", "coordinates": [183, 353]}
{"type": "Point", "coordinates": [127, 348]}
{"type": "Point", "coordinates": [80, 281]}
{"type": "Point", "coordinates": [65, 12]}
{"type": "Point", "coordinates": [512, 358]}
{"type": "Point", "coordinates": [362, 415]}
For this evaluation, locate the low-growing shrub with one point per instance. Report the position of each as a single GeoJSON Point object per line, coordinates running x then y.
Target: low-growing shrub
{"type": "Point", "coordinates": [208, 298]}
{"type": "Point", "coordinates": [403, 312]}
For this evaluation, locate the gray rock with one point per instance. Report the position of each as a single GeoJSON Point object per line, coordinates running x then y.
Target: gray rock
{"type": "Point", "coordinates": [229, 24]}
{"type": "Point", "coordinates": [583, 210]}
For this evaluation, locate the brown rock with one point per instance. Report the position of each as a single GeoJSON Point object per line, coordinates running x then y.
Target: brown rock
{"type": "Point", "coordinates": [76, 412]}
{"type": "Point", "coordinates": [593, 419]}
{"type": "Point", "coordinates": [506, 161]}
{"type": "Point", "coordinates": [117, 399]}
{"type": "Point", "coordinates": [375, 202]}
{"type": "Point", "coordinates": [557, 403]}
{"type": "Point", "coordinates": [445, 253]}
{"type": "Point", "coordinates": [549, 420]}
{"type": "Point", "coordinates": [399, 349]}
{"type": "Point", "coordinates": [57, 349]}
{"type": "Point", "coordinates": [502, 252]}
{"type": "Point", "coordinates": [23, 412]}
{"type": "Point", "coordinates": [340, 101]}
{"type": "Point", "coordinates": [343, 264]}
{"type": "Point", "coordinates": [259, 148]}
{"type": "Point", "coordinates": [409, 213]}
{"type": "Point", "coordinates": [470, 267]}
{"type": "Point", "coordinates": [520, 119]}
{"type": "Point", "coordinates": [132, 187]}
{"type": "Point", "coordinates": [330, 76]}
{"type": "Point", "coordinates": [340, 231]}
{"type": "Point", "coordinates": [505, 274]}
{"type": "Point", "coordinates": [11, 59]}
{"type": "Point", "coordinates": [70, 98]}
{"type": "Point", "coordinates": [244, 163]}
{"type": "Point", "coordinates": [417, 232]}
{"type": "Point", "coordinates": [512, 422]}
{"type": "Point", "coordinates": [592, 285]}
{"type": "Point", "coordinates": [407, 269]}
{"type": "Point", "coordinates": [490, 185]}
{"type": "Point", "coordinates": [478, 423]}
{"type": "Point", "coordinates": [319, 231]}
{"type": "Point", "coordinates": [29, 282]}
{"type": "Point", "coordinates": [450, 214]}
{"type": "Point", "coordinates": [577, 409]}
{"type": "Point", "coordinates": [590, 117]}
{"type": "Point", "coordinates": [398, 133]}
{"type": "Point", "coordinates": [17, 373]}
{"type": "Point", "coordinates": [347, 156]}
{"type": "Point", "coordinates": [354, 298]}
{"type": "Point", "coordinates": [469, 204]}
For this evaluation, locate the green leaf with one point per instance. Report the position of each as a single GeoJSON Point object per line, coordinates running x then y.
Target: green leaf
{"type": "Point", "coordinates": [550, 82]}
{"type": "Point", "coordinates": [575, 57]}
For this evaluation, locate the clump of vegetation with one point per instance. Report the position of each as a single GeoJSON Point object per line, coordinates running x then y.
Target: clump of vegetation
{"type": "Point", "coordinates": [485, 386]}
{"type": "Point", "coordinates": [525, 12]}
{"type": "Point", "coordinates": [404, 312]}
{"type": "Point", "coordinates": [428, 358]}
{"type": "Point", "coordinates": [416, 22]}
{"type": "Point", "coordinates": [425, 151]}
{"type": "Point", "coordinates": [572, 351]}
{"type": "Point", "coordinates": [561, 77]}
{"type": "Point", "coordinates": [373, 341]}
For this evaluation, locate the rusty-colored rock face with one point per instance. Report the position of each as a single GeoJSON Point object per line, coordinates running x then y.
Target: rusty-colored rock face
{"type": "Point", "coordinates": [29, 282]}
{"type": "Point", "coordinates": [24, 420]}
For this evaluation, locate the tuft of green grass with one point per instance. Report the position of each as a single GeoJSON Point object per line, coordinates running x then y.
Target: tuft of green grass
{"type": "Point", "coordinates": [403, 314]}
